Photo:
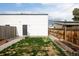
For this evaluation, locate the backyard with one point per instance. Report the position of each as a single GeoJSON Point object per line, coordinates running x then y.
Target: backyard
{"type": "Point", "coordinates": [32, 46]}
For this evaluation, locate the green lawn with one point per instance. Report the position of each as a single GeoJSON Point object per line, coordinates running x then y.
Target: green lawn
{"type": "Point", "coordinates": [30, 46]}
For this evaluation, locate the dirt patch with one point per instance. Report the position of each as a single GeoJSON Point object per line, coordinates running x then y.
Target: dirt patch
{"type": "Point", "coordinates": [51, 51]}
{"type": "Point", "coordinates": [3, 42]}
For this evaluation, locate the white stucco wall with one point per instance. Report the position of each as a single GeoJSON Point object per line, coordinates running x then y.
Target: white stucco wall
{"type": "Point", "coordinates": [37, 25]}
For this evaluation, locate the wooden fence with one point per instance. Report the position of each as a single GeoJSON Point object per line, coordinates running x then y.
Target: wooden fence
{"type": "Point", "coordinates": [71, 34]}
{"type": "Point", "coordinates": [7, 32]}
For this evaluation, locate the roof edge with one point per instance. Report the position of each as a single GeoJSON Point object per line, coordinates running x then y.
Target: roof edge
{"type": "Point", "coordinates": [23, 14]}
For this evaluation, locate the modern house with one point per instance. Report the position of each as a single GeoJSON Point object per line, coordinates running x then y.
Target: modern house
{"type": "Point", "coordinates": [26, 24]}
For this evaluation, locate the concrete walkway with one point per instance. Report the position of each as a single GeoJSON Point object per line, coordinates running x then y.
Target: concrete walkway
{"type": "Point", "coordinates": [11, 43]}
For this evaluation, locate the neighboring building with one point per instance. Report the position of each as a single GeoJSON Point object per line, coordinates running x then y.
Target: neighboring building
{"type": "Point", "coordinates": [61, 24]}
{"type": "Point", "coordinates": [27, 24]}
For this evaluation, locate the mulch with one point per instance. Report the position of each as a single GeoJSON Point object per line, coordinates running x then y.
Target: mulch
{"type": "Point", "coordinates": [4, 41]}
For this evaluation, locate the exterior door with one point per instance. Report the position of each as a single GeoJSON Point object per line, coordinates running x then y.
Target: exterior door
{"type": "Point", "coordinates": [24, 29]}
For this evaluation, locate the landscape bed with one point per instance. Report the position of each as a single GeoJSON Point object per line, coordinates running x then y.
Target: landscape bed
{"type": "Point", "coordinates": [32, 46]}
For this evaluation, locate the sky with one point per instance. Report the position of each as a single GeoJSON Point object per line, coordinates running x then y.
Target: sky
{"type": "Point", "coordinates": [56, 11]}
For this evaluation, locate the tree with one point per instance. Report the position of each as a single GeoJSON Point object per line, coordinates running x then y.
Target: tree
{"type": "Point", "coordinates": [76, 14]}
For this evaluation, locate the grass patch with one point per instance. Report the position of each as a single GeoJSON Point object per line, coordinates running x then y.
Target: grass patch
{"type": "Point", "coordinates": [30, 46]}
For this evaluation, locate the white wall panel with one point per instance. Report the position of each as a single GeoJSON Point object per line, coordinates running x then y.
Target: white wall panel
{"type": "Point", "coordinates": [37, 24]}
